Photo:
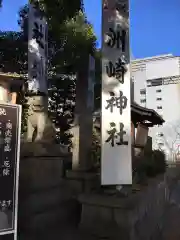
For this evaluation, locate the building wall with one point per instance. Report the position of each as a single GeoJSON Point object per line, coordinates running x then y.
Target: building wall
{"type": "Point", "coordinates": [165, 99]}
{"type": "Point", "coordinates": [164, 67]}
{"type": "Point", "coordinates": [139, 85]}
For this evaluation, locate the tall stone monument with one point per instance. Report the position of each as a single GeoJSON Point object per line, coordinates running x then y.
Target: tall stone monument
{"type": "Point", "coordinates": [116, 158]}
{"type": "Point", "coordinates": [82, 177]}
{"type": "Point", "coordinates": [82, 129]}
{"type": "Point", "coordinates": [39, 126]}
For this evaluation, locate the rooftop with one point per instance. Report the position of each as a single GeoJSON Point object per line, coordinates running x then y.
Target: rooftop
{"type": "Point", "coordinates": [148, 117]}
{"type": "Point", "coordinates": [158, 57]}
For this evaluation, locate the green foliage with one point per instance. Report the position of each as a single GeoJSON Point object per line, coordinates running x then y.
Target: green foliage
{"type": "Point", "coordinates": [159, 160]}
{"type": "Point", "coordinates": [96, 148]}
{"type": "Point", "coordinates": [77, 40]}
{"type": "Point", "coordinates": [70, 39]}
{"type": "Point", "coordinates": [149, 165]}
{"type": "Point", "coordinates": [57, 11]}
{"type": "Point", "coordinates": [97, 89]}
{"type": "Point", "coordinates": [61, 106]}
{"type": "Point", "coordinates": [23, 21]}
{"type": "Point", "coordinates": [13, 58]}
{"type": "Point", "coordinates": [13, 52]}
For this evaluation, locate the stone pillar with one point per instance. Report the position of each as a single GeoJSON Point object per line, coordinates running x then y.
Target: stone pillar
{"type": "Point", "coordinates": [40, 127]}
{"type": "Point", "coordinates": [141, 135]}
{"type": "Point", "coordinates": [83, 123]}
{"type": "Point", "coordinates": [141, 139]}
{"type": "Point", "coordinates": [82, 178]}
{"type": "Point", "coordinates": [13, 97]}
{"type": "Point", "coordinates": [4, 90]}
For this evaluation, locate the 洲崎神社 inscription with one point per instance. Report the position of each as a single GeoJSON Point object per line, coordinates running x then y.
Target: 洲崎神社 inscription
{"type": "Point", "coordinates": [116, 115]}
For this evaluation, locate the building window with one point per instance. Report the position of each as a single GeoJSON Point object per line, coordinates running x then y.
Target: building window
{"type": "Point", "coordinates": [159, 107]}
{"type": "Point", "coordinates": [159, 99]}
{"type": "Point", "coordinates": [143, 91]}
{"type": "Point", "coordinates": [156, 82]}
{"type": "Point", "coordinates": [158, 90]}
{"type": "Point", "coordinates": [143, 100]}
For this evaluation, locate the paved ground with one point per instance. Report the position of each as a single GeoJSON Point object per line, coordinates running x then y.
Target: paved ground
{"type": "Point", "coordinates": [171, 230]}
{"type": "Point", "coordinates": [172, 225]}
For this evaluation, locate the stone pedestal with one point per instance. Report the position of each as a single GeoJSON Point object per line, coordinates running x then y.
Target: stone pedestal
{"type": "Point", "coordinates": [39, 149]}
{"type": "Point", "coordinates": [39, 127]}
{"type": "Point", "coordinates": [45, 200]}
{"type": "Point", "coordinates": [136, 216]}
{"type": "Point", "coordinates": [83, 120]}
{"type": "Point", "coordinates": [83, 182]}
{"type": "Point", "coordinates": [81, 178]}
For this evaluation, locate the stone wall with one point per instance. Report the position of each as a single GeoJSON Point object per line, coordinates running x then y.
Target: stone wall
{"type": "Point", "coordinates": [45, 201]}
{"type": "Point", "coordinates": [138, 216]}
{"type": "Point", "coordinates": [49, 208]}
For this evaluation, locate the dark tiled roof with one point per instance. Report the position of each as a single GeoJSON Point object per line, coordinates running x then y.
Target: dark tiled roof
{"type": "Point", "coordinates": [140, 114]}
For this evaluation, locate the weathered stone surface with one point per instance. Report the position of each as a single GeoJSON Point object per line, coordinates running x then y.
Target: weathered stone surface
{"type": "Point", "coordinates": [39, 126]}
{"type": "Point", "coordinates": [43, 149]}
{"type": "Point", "coordinates": [40, 173]}
{"type": "Point", "coordinates": [139, 216]}
{"type": "Point", "coordinates": [56, 215]}
{"type": "Point", "coordinates": [80, 181]}
{"type": "Point", "coordinates": [45, 200]}
{"type": "Point", "coordinates": [135, 217]}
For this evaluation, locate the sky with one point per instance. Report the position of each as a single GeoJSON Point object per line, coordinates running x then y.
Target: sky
{"type": "Point", "coordinates": [9, 14]}
{"type": "Point", "coordinates": [154, 24]}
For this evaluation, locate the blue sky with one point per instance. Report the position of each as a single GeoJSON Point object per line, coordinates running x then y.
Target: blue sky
{"type": "Point", "coordinates": [154, 24]}
{"type": "Point", "coordinates": [9, 14]}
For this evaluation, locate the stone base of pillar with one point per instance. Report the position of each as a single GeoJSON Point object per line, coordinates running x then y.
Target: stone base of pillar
{"type": "Point", "coordinates": [45, 201]}
{"type": "Point", "coordinates": [38, 149]}
{"type": "Point", "coordinates": [83, 182]}
{"type": "Point", "coordinates": [135, 216]}
{"type": "Point", "coordinates": [103, 216]}
{"type": "Point", "coordinates": [39, 126]}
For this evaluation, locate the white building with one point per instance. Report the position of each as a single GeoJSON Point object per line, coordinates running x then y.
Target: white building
{"type": "Point", "coordinates": [156, 85]}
